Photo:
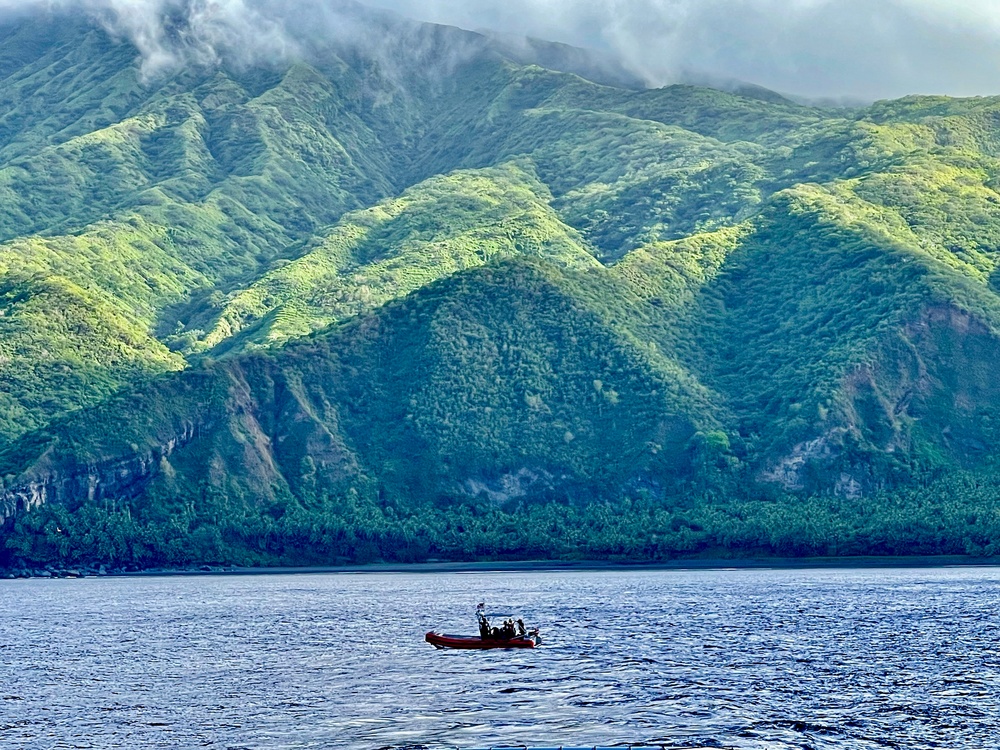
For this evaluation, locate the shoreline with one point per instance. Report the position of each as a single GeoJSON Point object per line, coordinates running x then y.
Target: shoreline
{"type": "Point", "coordinates": [531, 566]}
{"type": "Point", "coordinates": [591, 566]}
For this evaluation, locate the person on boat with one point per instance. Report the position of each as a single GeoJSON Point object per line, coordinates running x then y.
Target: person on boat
{"type": "Point", "coordinates": [508, 629]}
{"type": "Point", "coordinates": [484, 623]}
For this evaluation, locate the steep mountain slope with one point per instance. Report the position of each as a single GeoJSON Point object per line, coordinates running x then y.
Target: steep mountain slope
{"type": "Point", "coordinates": [488, 381]}
{"type": "Point", "coordinates": [441, 226]}
{"type": "Point", "coordinates": [407, 273]}
{"type": "Point", "coordinates": [155, 195]}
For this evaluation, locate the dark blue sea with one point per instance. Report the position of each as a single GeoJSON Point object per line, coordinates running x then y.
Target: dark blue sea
{"type": "Point", "coordinates": [722, 659]}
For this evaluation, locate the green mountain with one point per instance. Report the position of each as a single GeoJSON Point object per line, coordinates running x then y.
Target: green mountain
{"type": "Point", "coordinates": [423, 297]}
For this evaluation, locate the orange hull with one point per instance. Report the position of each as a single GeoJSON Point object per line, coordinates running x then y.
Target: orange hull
{"type": "Point", "coordinates": [440, 640]}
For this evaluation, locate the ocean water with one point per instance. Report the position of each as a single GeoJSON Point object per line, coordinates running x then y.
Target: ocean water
{"type": "Point", "coordinates": [680, 659]}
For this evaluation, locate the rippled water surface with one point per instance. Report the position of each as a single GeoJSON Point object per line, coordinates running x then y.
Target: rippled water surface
{"type": "Point", "coordinates": [743, 659]}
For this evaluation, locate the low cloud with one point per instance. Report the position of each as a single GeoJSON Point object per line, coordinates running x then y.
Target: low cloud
{"type": "Point", "coordinates": [169, 33]}
{"type": "Point", "coordinates": [172, 33]}
{"type": "Point", "coordinates": [821, 48]}
{"type": "Point", "coordinates": [816, 48]}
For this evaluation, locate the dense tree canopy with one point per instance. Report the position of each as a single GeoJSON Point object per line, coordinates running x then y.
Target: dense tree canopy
{"type": "Point", "coordinates": [330, 311]}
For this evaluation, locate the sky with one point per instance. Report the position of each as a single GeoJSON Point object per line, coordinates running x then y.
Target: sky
{"type": "Point", "coordinates": [837, 49]}
{"type": "Point", "coordinates": [867, 49]}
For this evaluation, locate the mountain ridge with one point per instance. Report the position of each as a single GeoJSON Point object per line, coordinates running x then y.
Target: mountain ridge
{"type": "Point", "coordinates": [346, 291]}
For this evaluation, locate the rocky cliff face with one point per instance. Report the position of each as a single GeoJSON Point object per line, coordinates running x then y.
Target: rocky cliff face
{"type": "Point", "coordinates": [930, 384]}
{"type": "Point", "coordinates": [121, 477]}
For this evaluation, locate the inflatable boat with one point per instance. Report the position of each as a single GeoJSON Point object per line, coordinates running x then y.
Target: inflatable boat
{"type": "Point", "coordinates": [440, 640]}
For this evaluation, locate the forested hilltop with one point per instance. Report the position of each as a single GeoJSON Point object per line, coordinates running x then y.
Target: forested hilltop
{"type": "Point", "coordinates": [446, 297]}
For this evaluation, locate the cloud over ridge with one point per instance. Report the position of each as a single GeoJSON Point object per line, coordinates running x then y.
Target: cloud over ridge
{"type": "Point", "coordinates": [171, 33]}
{"type": "Point", "coordinates": [859, 48]}
{"type": "Point", "coordinates": [820, 48]}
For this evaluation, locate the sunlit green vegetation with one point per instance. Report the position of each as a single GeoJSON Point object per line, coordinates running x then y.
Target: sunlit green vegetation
{"type": "Point", "coordinates": [330, 311]}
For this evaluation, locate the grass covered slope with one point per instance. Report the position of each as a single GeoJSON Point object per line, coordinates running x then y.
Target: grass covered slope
{"type": "Point", "coordinates": [411, 288]}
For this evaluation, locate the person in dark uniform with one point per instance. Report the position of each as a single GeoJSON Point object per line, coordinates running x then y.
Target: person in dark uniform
{"type": "Point", "coordinates": [484, 624]}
